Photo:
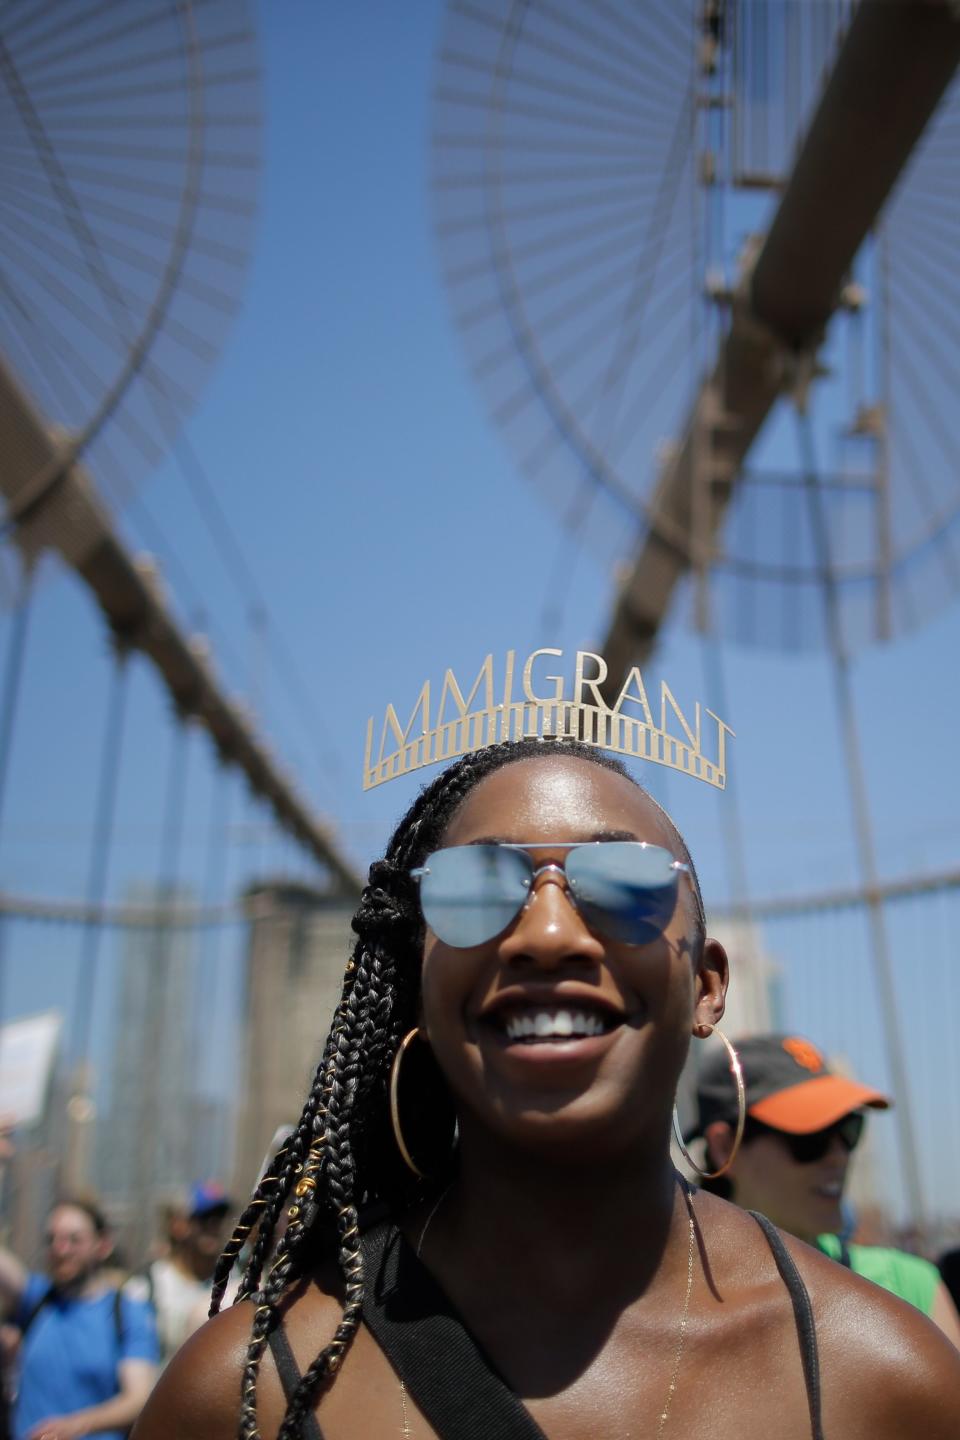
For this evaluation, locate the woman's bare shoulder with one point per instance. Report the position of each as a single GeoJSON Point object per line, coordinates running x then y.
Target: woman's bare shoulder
{"type": "Point", "coordinates": [878, 1353]}
{"type": "Point", "coordinates": [198, 1396]}
{"type": "Point", "coordinates": [886, 1370]}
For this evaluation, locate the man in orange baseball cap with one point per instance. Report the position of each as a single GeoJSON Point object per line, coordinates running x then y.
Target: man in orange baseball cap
{"type": "Point", "coordinates": [803, 1124]}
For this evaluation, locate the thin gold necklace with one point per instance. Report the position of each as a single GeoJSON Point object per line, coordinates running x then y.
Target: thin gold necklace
{"type": "Point", "coordinates": [684, 1316]}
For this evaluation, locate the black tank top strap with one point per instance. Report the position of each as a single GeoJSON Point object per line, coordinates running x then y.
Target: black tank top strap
{"type": "Point", "coordinates": [290, 1377]}
{"type": "Point", "coordinates": [803, 1316]}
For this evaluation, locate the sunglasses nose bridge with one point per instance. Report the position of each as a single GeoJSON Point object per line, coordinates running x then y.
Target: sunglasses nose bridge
{"type": "Point", "coordinates": [549, 928]}
{"type": "Point", "coordinates": [552, 872]}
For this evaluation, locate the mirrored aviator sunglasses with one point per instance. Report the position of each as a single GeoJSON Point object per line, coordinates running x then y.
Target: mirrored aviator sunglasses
{"type": "Point", "coordinates": [624, 890]}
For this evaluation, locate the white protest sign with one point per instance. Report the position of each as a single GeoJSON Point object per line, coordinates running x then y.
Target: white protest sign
{"type": "Point", "coordinates": [28, 1051]}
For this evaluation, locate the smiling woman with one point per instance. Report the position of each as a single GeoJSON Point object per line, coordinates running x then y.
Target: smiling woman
{"type": "Point", "coordinates": [487, 1237]}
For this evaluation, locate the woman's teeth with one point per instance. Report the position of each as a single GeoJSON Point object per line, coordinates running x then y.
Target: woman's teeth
{"type": "Point", "coordinates": [552, 1024]}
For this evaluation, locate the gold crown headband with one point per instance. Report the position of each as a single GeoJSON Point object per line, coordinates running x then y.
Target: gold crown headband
{"type": "Point", "coordinates": [457, 726]}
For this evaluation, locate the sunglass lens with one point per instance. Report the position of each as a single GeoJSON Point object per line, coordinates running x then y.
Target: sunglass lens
{"type": "Point", "coordinates": [851, 1129]}
{"type": "Point", "coordinates": [469, 893]}
{"type": "Point", "coordinates": [808, 1148]}
{"type": "Point", "coordinates": [624, 890]}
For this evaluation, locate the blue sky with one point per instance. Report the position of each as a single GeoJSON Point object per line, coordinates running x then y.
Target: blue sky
{"type": "Point", "coordinates": [392, 535]}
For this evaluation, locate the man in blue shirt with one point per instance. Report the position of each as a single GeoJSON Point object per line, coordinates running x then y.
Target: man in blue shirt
{"type": "Point", "coordinates": [88, 1357]}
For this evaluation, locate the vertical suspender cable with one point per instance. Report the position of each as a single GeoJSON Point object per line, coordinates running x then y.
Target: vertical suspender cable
{"type": "Point", "coordinates": [13, 675]}
{"type": "Point", "coordinates": [843, 692]}
{"type": "Point", "coordinates": [214, 891]}
{"type": "Point", "coordinates": [158, 984]}
{"type": "Point", "coordinates": [98, 874]}
{"type": "Point", "coordinates": [711, 649]}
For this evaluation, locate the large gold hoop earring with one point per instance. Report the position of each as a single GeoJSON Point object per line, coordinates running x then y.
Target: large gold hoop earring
{"type": "Point", "coordinates": [394, 1093]}
{"type": "Point", "coordinates": [736, 1069]}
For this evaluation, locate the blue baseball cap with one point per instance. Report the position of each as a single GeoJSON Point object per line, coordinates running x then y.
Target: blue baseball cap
{"type": "Point", "coordinates": [208, 1198]}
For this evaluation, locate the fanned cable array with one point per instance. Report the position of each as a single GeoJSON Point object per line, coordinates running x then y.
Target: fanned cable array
{"type": "Point", "coordinates": [606, 181]}
{"type": "Point", "coordinates": [564, 189]}
{"type": "Point", "coordinates": [128, 164]}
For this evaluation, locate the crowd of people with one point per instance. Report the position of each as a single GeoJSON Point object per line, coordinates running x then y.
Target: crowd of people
{"type": "Point", "coordinates": [83, 1340]}
{"type": "Point", "coordinates": [476, 1228]}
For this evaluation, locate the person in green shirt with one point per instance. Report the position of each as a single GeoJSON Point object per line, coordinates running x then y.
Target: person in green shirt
{"type": "Point", "coordinates": [803, 1124]}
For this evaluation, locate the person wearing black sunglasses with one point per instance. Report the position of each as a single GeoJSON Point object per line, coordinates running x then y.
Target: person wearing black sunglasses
{"type": "Point", "coordinates": [486, 1235]}
{"type": "Point", "coordinates": [803, 1123]}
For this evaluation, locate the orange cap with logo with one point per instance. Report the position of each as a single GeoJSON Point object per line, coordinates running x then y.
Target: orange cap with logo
{"type": "Point", "coordinates": [789, 1086]}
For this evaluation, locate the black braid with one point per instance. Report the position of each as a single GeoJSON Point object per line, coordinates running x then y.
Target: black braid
{"type": "Point", "coordinates": [263, 1209]}
{"type": "Point", "coordinates": [332, 1094]}
{"type": "Point", "coordinates": [341, 1157]}
{"type": "Point", "coordinates": [266, 1314]}
{"type": "Point", "coordinates": [297, 1150]}
{"type": "Point", "coordinates": [340, 1177]}
{"type": "Point", "coordinates": [268, 1201]}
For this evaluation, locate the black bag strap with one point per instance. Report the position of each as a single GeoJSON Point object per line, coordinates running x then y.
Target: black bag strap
{"type": "Point", "coordinates": [454, 1384]}
{"type": "Point", "coordinates": [803, 1317]}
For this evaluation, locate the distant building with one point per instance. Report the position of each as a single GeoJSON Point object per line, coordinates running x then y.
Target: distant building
{"type": "Point", "coordinates": [299, 941]}
{"type": "Point", "coordinates": [212, 1125]}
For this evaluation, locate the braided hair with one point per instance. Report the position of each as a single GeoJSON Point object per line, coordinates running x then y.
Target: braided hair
{"type": "Point", "coordinates": [341, 1157]}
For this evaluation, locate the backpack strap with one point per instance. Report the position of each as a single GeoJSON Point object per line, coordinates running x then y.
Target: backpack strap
{"type": "Point", "coordinates": [454, 1384]}
{"type": "Point", "coordinates": [118, 1316]}
{"type": "Point", "coordinates": [32, 1314]}
{"type": "Point", "coordinates": [140, 1288]}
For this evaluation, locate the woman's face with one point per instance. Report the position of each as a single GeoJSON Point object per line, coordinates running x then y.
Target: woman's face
{"type": "Point", "coordinates": [605, 1090]}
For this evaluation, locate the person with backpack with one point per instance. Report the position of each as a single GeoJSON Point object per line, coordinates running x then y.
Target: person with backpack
{"type": "Point", "coordinates": [88, 1353]}
{"type": "Point", "coordinates": [178, 1283]}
